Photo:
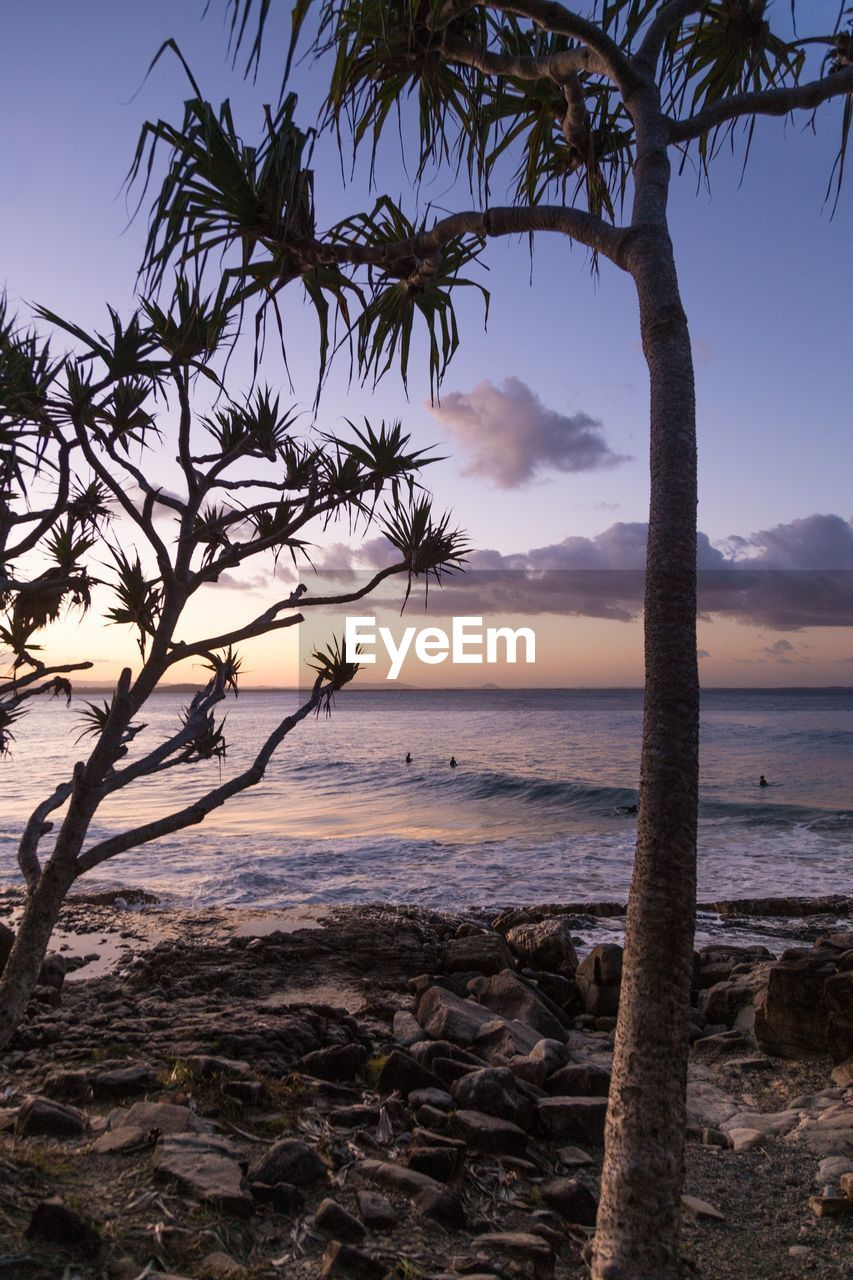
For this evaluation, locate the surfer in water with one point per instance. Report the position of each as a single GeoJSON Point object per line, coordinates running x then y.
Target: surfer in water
{"type": "Point", "coordinates": [762, 781]}
{"type": "Point", "coordinates": [454, 763]}
{"type": "Point", "coordinates": [408, 757]}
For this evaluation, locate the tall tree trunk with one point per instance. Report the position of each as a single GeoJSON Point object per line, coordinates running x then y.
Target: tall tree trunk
{"type": "Point", "coordinates": [639, 1213]}
{"type": "Point", "coordinates": [20, 976]}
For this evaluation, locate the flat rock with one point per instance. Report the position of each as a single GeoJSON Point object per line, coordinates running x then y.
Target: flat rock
{"type": "Point", "coordinates": [205, 1169]}
{"type": "Point", "coordinates": [345, 1260]}
{"type": "Point", "coordinates": [581, 1119]}
{"type": "Point", "coordinates": [165, 1117]}
{"type": "Point", "coordinates": [489, 1133]}
{"type": "Point", "coordinates": [119, 1141]}
{"type": "Point", "coordinates": [334, 1220]}
{"type": "Point", "coordinates": [745, 1139]}
{"type": "Point", "coordinates": [477, 953]}
{"type": "Point", "coordinates": [701, 1209]}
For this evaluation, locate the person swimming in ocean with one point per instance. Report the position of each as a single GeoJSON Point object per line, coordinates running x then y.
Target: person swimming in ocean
{"type": "Point", "coordinates": [762, 781]}
{"type": "Point", "coordinates": [454, 763]}
{"type": "Point", "coordinates": [408, 757]}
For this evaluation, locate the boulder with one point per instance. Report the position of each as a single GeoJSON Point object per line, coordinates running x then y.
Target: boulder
{"type": "Point", "coordinates": [722, 1002]}
{"type": "Point", "coordinates": [547, 945]}
{"type": "Point", "coordinates": [494, 1091]}
{"type": "Point", "coordinates": [580, 1080]}
{"type": "Point", "coordinates": [571, 1199]}
{"type": "Point", "coordinates": [338, 1062]}
{"type": "Point", "coordinates": [515, 1000]}
{"type": "Point", "coordinates": [334, 1220]}
{"type": "Point", "coordinates": [791, 1014]}
{"type": "Point", "coordinates": [41, 1116]}
{"type": "Point", "coordinates": [578, 1119]}
{"type": "Point", "coordinates": [445, 1016]}
{"type": "Point", "coordinates": [498, 1040]}
{"type": "Point", "coordinates": [477, 953]}
{"type": "Point", "coordinates": [288, 1160]}
{"type": "Point", "coordinates": [402, 1073]}
{"type": "Point", "coordinates": [489, 1133]}
{"type": "Point", "coordinates": [376, 1210]}
{"type": "Point", "coordinates": [546, 1057]}
{"type": "Point", "coordinates": [599, 977]}
{"type": "Point", "coordinates": [204, 1168]}
{"type": "Point", "coordinates": [348, 1262]}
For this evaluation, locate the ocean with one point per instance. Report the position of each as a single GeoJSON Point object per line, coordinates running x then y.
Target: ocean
{"type": "Point", "coordinates": [535, 812]}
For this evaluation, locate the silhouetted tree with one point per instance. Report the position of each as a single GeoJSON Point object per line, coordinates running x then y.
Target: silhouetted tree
{"type": "Point", "coordinates": [247, 487]}
{"type": "Point", "coordinates": [588, 109]}
{"type": "Point", "coordinates": [48, 523]}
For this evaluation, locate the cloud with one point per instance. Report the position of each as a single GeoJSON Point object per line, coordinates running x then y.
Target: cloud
{"type": "Point", "coordinates": [749, 579]}
{"type": "Point", "coordinates": [511, 437]}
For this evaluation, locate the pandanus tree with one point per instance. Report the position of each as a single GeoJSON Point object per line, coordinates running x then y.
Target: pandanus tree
{"type": "Point", "coordinates": [583, 112]}
{"type": "Point", "coordinates": [245, 486]}
{"type": "Point", "coordinates": [48, 524]}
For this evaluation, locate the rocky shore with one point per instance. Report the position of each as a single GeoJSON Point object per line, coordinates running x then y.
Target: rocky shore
{"type": "Point", "coordinates": [391, 1092]}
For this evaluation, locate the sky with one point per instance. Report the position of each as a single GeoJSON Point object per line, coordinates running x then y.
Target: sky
{"type": "Point", "coordinates": [543, 417]}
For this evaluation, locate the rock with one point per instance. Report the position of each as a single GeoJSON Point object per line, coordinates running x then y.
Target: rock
{"type": "Point", "coordinates": [528, 1254]}
{"type": "Point", "coordinates": [574, 1157]}
{"type": "Point", "coordinates": [122, 1081]}
{"type": "Point", "coordinates": [288, 1160]}
{"type": "Point", "coordinates": [283, 1197]}
{"type": "Point", "coordinates": [498, 1040]}
{"type": "Point", "coordinates": [54, 1223]}
{"type": "Point", "coordinates": [494, 1091]}
{"type": "Point", "coordinates": [599, 977]}
{"type": "Point", "coordinates": [334, 1220]}
{"type": "Point", "coordinates": [701, 1209]}
{"type": "Point", "coordinates": [211, 1067]}
{"type": "Point", "coordinates": [204, 1168]}
{"type": "Point", "coordinates": [41, 1116]}
{"type": "Point", "coordinates": [838, 995]}
{"type": "Point", "coordinates": [163, 1117]}
{"type": "Point", "coordinates": [571, 1199]}
{"type": "Point", "coordinates": [741, 1139]}
{"type": "Point", "coordinates": [68, 1086]}
{"type": "Point", "coordinates": [437, 1098]}
{"type": "Point", "coordinates": [440, 1163]}
{"type": "Point", "coordinates": [515, 1000]}
{"type": "Point", "coordinates": [120, 1141]}
{"type": "Point", "coordinates": [429, 1198]}
{"type": "Point", "coordinates": [406, 1029]}
{"type": "Point", "coordinates": [477, 953]}
{"type": "Point", "coordinates": [720, 1042]}
{"type": "Point", "coordinates": [791, 1014]}
{"type": "Point", "coordinates": [346, 1261]}
{"type": "Point", "coordinates": [723, 1002]}
{"type": "Point", "coordinates": [580, 1080]}
{"type": "Point", "coordinates": [547, 945]}
{"type": "Point", "coordinates": [847, 1185]}
{"type": "Point", "coordinates": [830, 1206]}
{"type": "Point", "coordinates": [404, 1074]}
{"type": "Point", "coordinates": [770, 1124]}
{"type": "Point", "coordinates": [542, 1061]}
{"type": "Point", "coordinates": [445, 1016]}
{"type": "Point", "coordinates": [489, 1133]}
{"type": "Point", "coordinates": [339, 1062]}
{"type": "Point", "coordinates": [580, 1119]}
{"type": "Point", "coordinates": [376, 1210]}
{"type": "Point", "coordinates": [832, 1173]}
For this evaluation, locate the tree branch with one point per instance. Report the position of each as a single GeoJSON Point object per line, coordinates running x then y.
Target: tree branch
{"type": "Point", "coordinates": [198, 811]}
{"type": "Point", "coordinates": [764, 102]}
{"type": "Point", "coordinates": [586, 228]}
{"type": "Point", "coordinates": [557, 19]}
{"type": "Point", "coordinates": [660, 27]}
{"type": "Point", "coordinates": [34, 830]}
{"type": "Point", "coordinates": [555, 66]}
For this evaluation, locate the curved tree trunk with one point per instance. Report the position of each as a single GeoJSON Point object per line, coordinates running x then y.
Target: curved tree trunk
{"type": "Point", "coordinates": [20, 976]}
{"type": "Point", "coordinates": [638, 1221]}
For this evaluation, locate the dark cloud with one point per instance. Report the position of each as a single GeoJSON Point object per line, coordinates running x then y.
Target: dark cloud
{"type": "Point", "coordinates": [511, 437]}
{"type": "Point", "coordinates": [771, 579]}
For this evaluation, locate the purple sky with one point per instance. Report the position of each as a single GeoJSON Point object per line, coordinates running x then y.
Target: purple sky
{"type": "Point", "coordinates": [558, 381]}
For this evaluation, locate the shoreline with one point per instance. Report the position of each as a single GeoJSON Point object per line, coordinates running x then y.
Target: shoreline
{"type": "Point", "coordinates": [325, 1091]}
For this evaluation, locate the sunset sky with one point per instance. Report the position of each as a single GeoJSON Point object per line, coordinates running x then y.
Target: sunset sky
{"type": "Point", "coordinates": [543, 419]}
